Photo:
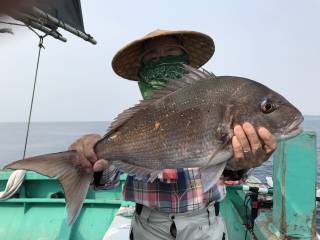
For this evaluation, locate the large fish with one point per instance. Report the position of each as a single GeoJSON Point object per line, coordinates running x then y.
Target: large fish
{"type": "Point", "coordinates": [187, 124]}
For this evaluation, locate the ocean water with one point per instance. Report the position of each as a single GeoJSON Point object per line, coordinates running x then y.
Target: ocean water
{"type": "Point", "coordinates": [46, 137]}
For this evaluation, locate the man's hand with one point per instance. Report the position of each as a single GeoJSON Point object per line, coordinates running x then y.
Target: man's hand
{"type": "Point", "coordinates": [250, 147]}
{"type": "Point", "coordinates": [84, 145]}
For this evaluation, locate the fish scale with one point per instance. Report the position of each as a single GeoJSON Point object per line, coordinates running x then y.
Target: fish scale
{"type": "Point", "coordinates": [170, 153]}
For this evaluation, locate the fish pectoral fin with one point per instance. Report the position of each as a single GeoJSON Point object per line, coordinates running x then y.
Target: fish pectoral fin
{"type": "Point", "coordinates": [220, 156]}
{"type": "Point", "coordinates": [210, 175]}
{"type": "Point", "coordinates": [139, 171]}
{"type": "Point", "coordinates": [74, 178]}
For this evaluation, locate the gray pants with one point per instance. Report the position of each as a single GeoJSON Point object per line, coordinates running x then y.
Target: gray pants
{"type": "Point", "coordinates": [154, 225]}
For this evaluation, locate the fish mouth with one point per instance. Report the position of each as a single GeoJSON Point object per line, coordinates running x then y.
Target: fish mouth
{"type": "Point", "coordinates": [294, 129]}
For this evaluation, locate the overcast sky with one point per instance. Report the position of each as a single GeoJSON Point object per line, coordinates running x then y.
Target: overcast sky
{"type": "Point", "coordinates": [274, 42]}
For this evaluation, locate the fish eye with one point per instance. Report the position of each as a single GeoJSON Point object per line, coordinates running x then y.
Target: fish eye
{"type": "Point", "coordinates": [267, 106]}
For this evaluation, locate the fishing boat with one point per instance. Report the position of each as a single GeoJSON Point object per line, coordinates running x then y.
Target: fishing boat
{"type": "Point", "coordinates": [285, 209]}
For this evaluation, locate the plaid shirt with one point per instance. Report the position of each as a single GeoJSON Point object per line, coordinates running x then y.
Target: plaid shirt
{"type": "Point", "coordinates": [174, 191]}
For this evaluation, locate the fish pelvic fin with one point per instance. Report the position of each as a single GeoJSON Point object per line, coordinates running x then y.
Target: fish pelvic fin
{"type": "Point", "coordinates": [211, 173]}
{"type": "Point", "coordinates": [141, 173]}
{"type": "Point", "coordinates": [73, 176]}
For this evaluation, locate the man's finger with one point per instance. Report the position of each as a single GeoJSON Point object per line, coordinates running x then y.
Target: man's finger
{"type": "Point", "coordinates": [241, 136]}
{"type": "Point", "coordinates": [101, 165]}
{"type": "Point", "coordinates": [77, 146]}
{"type": "Point", "coordinates": [237, 148]}
{"type": "Point", "coordinates": [268, 139]}
{"type": "Point", "coordinates": [238, 160]}
{"type": "Point", "coordinates": [91, 138]}
{"type": "Point", "coordinates": [89, 141]}
{"type": "Point", "coordinates": [253, 138]}
{"type": "Point", "coordinates": [83, 162]}
{"type": "Point", "coordinates": [90, 154]}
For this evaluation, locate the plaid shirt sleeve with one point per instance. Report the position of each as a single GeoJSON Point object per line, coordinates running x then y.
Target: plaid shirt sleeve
{"type": "Point", "coordinates": [110, 178]}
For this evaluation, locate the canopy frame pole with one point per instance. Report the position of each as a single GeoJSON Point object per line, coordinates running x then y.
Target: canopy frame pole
{"type": "Point", "coordinates": [65, 26]}
{"type": "Point", "coordinates": [47, 31]}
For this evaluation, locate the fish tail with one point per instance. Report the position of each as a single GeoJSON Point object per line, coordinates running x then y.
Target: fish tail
{"type": "Point", "coordinates": [71, 170]}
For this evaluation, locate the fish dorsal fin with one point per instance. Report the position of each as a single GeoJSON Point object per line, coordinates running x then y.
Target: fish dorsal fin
{"type": "Point", "coordinates": [192, 76]}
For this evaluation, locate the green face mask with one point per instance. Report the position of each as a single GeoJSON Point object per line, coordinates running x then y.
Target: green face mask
{"type": "Point", "coordinates": [154, 76]}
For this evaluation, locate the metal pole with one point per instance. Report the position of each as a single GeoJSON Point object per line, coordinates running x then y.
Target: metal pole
{"type": "Point", "coordinates": [33, 22]}
{"type": "Point", "coordinates": [47, 31]}
{"type": "Point", "coordinates": [65, 26]}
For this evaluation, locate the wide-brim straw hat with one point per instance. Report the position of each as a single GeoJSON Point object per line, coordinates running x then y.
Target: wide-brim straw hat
{"type": "Point", "coordinates": [199, 46]}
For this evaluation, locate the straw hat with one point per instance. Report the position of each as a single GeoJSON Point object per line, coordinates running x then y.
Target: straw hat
{"type": "Point", "coordinates": [199, 46]}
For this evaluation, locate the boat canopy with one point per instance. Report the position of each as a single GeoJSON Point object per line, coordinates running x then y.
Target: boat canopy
{"type": "Point", "coordinates": [67, 11]}
{"type": "Point", "coordinates": [49, 15]}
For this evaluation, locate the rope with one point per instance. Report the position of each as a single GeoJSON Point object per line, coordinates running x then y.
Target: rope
{"type": "Point", "coordinates": [14, 182]}
{"type": "Point", "coordinates": [32, 98]}
{"type": "Point", "coordinates": [16, 178]}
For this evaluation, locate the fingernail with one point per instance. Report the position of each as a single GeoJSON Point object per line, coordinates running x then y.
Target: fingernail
{"type": "Point", "coordinates": [97, 167]}
{"type": "Point", "coordinates": [238, 127]}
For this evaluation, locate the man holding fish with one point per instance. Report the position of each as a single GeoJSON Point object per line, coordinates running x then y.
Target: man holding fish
{"type": "Point", "coordinates": [175, 205]}
{"type": "Point", "coordinates": [176, 143]}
